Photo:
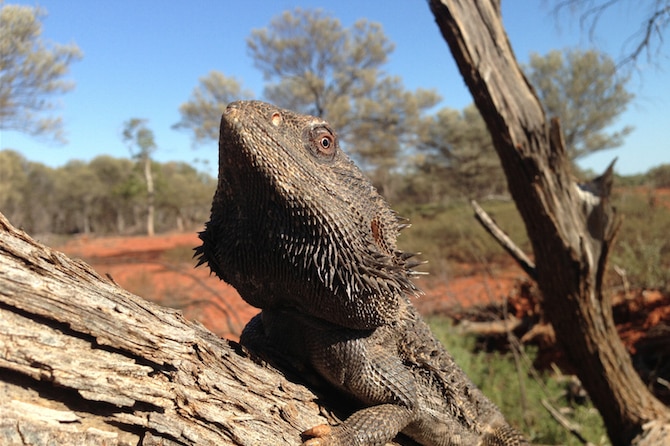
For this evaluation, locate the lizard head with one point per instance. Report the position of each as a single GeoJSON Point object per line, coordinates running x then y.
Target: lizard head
{"type": "Point", "coordinates": [295, 224]}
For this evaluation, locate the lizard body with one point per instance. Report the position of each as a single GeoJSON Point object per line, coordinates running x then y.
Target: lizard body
{"type": "Point", "coordinates": [300, 232]}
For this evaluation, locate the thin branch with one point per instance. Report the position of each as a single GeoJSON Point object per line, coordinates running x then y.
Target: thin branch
{"type": "Point", "coordinates": [652, 26]}
{"type": "Point", "coordinates": [655, 24]}
{"type": "Point", "coordinates": [567, 425]}
{"type": "Point", "coordinates": [504, 240]}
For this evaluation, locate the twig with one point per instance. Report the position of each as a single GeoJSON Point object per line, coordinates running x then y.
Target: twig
{"type": "Point", "coordinates": [567, 425]}
{"type": "Point", "coordinates": [491, 328]}
{"type": "Point", "coordinates": [503, 239]}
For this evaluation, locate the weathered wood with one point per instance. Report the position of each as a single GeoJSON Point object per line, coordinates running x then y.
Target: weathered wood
{"type": "Point", "coordinates": [504, 240]}
{"type": "Point", "coordinates": [83, 361]}
{"type": "Point", "coordinates": [498, 327]}
{"type": "Point", "coordinates": [571, 226]}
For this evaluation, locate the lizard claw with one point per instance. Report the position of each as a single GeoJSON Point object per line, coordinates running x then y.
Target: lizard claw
{"type": "Point", "coordinates": [319, 434]}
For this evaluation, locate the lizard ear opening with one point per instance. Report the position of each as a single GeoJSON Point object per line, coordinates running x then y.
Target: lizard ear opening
{"type": "Point", "coordinates": [276, 119]}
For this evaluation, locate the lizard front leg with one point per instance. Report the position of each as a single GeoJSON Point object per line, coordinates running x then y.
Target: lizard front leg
{"type": "Point", "coordinates": [362, 363]}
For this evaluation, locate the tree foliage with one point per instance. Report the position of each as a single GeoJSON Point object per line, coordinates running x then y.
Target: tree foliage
{"type": "Point", "coordinates": [104, 196]}
{"type": "Point", "coordinates": [314, 65]}
{"type": "Point", "coordinates": [584, 90]}
{"type": "Point", "coordinates": [202, 112]}
{"type": "Point", "coordinates": [580, 87]}
{"type": "Point", "coordinates": [137, 135]}
{"type": "Point", "coordinates": [32, 70]}
{"type": "Point", "coordinates": [457, 147]}
{"type": "Point", "coordinates": [659, 176]}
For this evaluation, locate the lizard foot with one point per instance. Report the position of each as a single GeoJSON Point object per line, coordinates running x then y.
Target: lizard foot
{"type": "Point", "coordinates": [320, 435]}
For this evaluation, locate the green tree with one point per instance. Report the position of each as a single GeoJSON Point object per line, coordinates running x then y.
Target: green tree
{"type": "Point", "coordinates": [13, 180]}
{"type": "Point", "coordinates": [459, 154]}
{"type": "Point", "coordinates": [183, 195]}
{"type": "Point", "coordinates": [659, 176]}
{"type": "Point", "coordinates": [41, 210]}
{"type": "Point", "coordinates": [584, 90]}
{"type": "Point", "coordinates": [31, 71]}
{"type": "Point", "coordinates": [202, 112]}
{"type": "Point", "coordinates": [314, 65]}
{"type": "Point", "coordinates": [141, 143]}
{"type": "Point", "coordinates": [115, 209]}
{"type": "Point", "coordinates": [27, 193]}
{"type": "Point", "coordinates": [77, 189]}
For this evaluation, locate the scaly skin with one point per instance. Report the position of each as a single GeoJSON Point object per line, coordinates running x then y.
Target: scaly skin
{"type": "Point", "coordinates": [300, 232]}
{"type": "Point", "coordinates": [407, 379]}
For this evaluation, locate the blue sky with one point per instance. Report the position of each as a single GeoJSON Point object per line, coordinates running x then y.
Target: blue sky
{"type": "Point", "coordinates": [143, 58]}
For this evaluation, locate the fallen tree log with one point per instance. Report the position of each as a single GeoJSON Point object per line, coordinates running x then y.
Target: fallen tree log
{"type": "Point", "coordinates": [83, 361]}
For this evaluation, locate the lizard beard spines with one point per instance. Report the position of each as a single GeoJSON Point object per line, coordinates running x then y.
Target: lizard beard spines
{"type": "Point", "coordinates": [349, 270]}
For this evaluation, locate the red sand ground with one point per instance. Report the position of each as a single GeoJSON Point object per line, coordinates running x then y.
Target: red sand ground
{"type": "Point", "coordinates": [160, 269]}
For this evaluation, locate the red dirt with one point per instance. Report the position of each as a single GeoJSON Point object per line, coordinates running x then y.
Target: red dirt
{"type": "Point", "coordinates": [160, 269]}
{"type": "Point", "coordinates": [656, 196]}
{"type": "Point", "coordinates": [468, 286]}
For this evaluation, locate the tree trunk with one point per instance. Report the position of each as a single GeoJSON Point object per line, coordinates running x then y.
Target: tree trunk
{"type": "Point", "coordinates": [84, 362]}
{"type": "Point", "coordinates": [120, 222]}
{"type": "Point", "coordinates": [571, 227]}
{"type": "Point", "coordinates": [150, 195]}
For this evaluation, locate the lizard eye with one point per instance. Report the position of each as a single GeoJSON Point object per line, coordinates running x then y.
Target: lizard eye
{"type": "Point", "coordinates": [326, 142]}
{"type": "Point", "coordinates": [322, 143]}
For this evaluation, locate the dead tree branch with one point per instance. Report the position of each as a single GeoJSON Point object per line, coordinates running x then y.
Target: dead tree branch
{"type": "Point", "coordinates": [83, 361]}
{"type": "Point", "coordinates": [504, 240]}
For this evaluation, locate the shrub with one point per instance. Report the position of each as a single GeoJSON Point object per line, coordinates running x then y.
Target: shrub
{"type": "Point", "coordinates": [642, 249]}
{"type": "Point", "coordinates": [497, 376]}
{"type": "Point", "coordinates": [451, 233]}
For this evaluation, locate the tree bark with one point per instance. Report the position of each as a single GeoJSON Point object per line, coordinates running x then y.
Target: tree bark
{"type": "Point", "coordinates": [84, 362]}
{"type": "Point", "coordinates": [571, 226]}
{"type": "Point", "coordinates": [151, 195]}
